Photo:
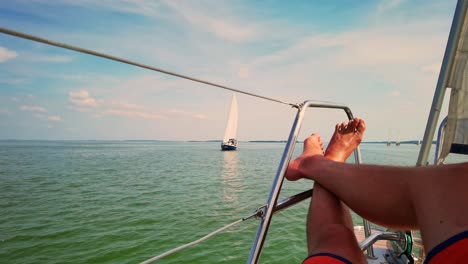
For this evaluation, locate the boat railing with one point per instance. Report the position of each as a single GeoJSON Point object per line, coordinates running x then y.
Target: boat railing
{"type": "Point", "coordinates": [440, 136]}
{"type": "Point", "coordinates": [389, 236]}
{"type": "Point", "coordinates": [272, 206]}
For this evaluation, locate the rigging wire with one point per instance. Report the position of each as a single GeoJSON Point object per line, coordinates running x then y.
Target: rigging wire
{"type": "Point", "coordinates": [257, 214]}
{"type": "Point", "coordinates": [114, 58]}
{"type": "Point", "coordinates": [172, 251]}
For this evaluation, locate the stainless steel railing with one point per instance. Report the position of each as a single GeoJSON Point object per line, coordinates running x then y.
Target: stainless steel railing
{"type": "Point", "coordinates": [269, 208]}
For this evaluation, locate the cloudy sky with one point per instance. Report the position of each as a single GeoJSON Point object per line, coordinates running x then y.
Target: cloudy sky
{"type": "Point", "coordinates": [381, 58]}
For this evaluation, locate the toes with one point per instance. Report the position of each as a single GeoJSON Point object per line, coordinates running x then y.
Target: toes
{"type": "Point", "coordinates": [313, 144]}
{"type": "Point", "coordinates": [361, 127]}
{"type": "Point", "coordinates": [343, 126]}
{"type": "Point", "coordinates": [352, 125]}
{"type": "Point", "coordinates": [313, 139]}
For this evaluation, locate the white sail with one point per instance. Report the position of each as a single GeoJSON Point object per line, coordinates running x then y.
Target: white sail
{"type": "Point", "coordinates": [456, 133]}
{"type": "Point", "coordinates": [231, 127]}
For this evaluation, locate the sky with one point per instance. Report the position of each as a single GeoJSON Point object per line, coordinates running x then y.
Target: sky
{"type": "Point", "coordinates": [380, 58]}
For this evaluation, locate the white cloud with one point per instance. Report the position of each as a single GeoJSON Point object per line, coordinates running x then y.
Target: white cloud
{"type": "Point", "coordinates": [396, 44]}
{"type": "Point", "coordinates": [187, 114]}
{"type": "Point", "coordinates": [13, 80]}
{"type": "Point", "coordinates": [54, 118]}
{"type": "Point", "coordinates": [141, 87]}
{"type": "Point", "coordinates": [386, 5]}
{"type": "Point", "coordinates": [133, 114]}
{"type": "Point", "coordinates": [36, 109]}
{"type": "Point", "coordinates": [432, 68]}
{"type": "Point", "coordinates": [4, 111]}
{"type": "Point", "coordinates": [79, 109]}
{"type": "Point", "coordinates": [392, 55]}
{"type": "Point", "coordinates": [82, 99]}
{"type": "Point", "coordinates": [131, 111]}
{"type": "Point", "coordinates": [222, 27]}
{"type": "Point", "coordinates": [90, 78]}
{"type": "Point", "coordinates": [6, 54]}
{"type": "Point", "coordinates": [40, 116]}
{"type": "Point", "coordinates": [394, 94]}
{"type": "Point", "coordinates": [126, 106]}
{"type": "Point", "coordinates": [39, 112]}
{"type": "Point", "coordinates": [50, 58]}
{"type": "Point", "coordinates": [243, 72]}
{"type": "Point", "coordinates": [230, 31]}
{"type": "Point", "coordinates": [148, 8]}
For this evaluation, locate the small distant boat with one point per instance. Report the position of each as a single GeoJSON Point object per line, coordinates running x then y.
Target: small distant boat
{"type": "Point", "coordinates": [230, 134]}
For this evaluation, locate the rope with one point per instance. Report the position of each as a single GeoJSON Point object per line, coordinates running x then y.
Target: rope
{"type": "Point", "coordinates": [110, 57]}
{"type": "Point", "coordinates": [172, 251]}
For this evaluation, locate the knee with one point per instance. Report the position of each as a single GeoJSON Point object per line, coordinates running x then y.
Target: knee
{"type": "Point", "coordinates": [337, 233]}
{"type": "Point", "coordinates": [336, 239]}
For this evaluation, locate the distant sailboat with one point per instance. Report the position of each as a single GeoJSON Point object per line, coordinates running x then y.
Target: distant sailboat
{"type": "Point", "coordinates": [230, 134]}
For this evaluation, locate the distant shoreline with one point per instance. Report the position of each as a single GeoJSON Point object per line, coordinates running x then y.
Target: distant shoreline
{"type": "Point", "coordinates": [407, 142]}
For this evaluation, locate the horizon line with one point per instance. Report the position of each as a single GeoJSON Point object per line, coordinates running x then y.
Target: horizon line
{"type": "Point", "coordinates": [209, 140]}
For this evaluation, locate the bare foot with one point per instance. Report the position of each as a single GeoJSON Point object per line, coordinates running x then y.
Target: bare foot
{"type": "Point", "coordinates": [345, 139]}
{"type": "Point", "coordinates": [313, 145]}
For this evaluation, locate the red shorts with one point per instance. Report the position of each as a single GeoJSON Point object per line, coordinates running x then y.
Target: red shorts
{"type": "Point", "coordinates": [453, 250]}
{"type": "Point", "coordinates": [325, 258]}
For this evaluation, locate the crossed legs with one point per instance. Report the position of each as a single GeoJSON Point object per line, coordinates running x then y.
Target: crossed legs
{"type": "Point", "coordinates": [329, 224]}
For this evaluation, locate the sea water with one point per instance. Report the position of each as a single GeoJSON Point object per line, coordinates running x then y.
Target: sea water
{"type": "Point", "coordinates": [126, 201]}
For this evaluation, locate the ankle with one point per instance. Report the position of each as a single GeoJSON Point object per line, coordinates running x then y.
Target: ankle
{"type": "Point", "coordinates": [340, 157]}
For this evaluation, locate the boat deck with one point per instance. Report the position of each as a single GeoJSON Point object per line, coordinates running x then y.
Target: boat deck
{"type": "Point", "coordinates": [383, 249]}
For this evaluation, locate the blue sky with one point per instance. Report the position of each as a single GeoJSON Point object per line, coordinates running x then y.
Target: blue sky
{"type": "Point", "coordinates": [381, 58]}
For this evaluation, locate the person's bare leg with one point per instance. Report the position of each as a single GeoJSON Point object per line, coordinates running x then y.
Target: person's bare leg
{"type": "Point", "coordinates": [397, 212]}
{"type": "Point", "coordinates": [381, 194]}
{"type": "Point", "coordinates": [329, 224]}
{"type": "Point", "coordinates": [345, 139]}
{"type": "Point", "coordinates": [428, 198]}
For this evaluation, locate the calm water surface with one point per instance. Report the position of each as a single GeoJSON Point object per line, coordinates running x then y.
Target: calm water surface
{"type": "Point", "coordinates": [124, 202]}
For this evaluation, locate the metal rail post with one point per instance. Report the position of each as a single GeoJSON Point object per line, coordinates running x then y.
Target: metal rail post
{"type": "Point", "coordinates": [265, 220]}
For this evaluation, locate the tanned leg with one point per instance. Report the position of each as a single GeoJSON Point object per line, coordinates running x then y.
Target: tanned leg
{"type": "Point", "coordinates": [395, 212]}
{"type": "Point", "coordinates": [432, 199]}
{"type": "Point", "coordinates": [329, 224]}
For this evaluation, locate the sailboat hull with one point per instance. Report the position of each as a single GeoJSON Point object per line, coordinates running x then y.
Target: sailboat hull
{"type": "Point", "coordinates": [231, 144]}
{"type": "Point", "coordinates": [227, 147]}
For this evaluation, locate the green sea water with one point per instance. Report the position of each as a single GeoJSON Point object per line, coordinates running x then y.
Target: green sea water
{"type": "Point", "coordinates": [124, 202]}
